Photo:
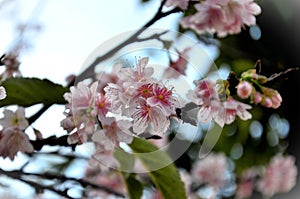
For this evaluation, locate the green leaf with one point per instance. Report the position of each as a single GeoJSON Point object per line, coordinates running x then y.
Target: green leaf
{"type": "Point", "coordinates": [30, 91]}
{"type": "Point", "coordinates": [126, 160]}
{"type": "Point", "coordinates": [134, 187]}
{"type": "Point", "coordinates": [162, 171]}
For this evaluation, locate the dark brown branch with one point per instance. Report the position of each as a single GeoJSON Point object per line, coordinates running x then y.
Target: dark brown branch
{"type": "Point", "coordinates": [36, 116]}
{"type": "Point", "coordinates": [52, 141]}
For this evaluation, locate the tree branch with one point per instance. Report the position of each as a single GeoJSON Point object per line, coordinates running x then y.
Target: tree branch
{"type": "Point", "coordinates": [89, 71]}
{"type": "Point", "coordinates": [52, 141]}
{"type": "Point", "coordinates": [39, 187]}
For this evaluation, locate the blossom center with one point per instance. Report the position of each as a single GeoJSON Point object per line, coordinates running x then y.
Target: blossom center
{"type": "Point", "coordinates": [160, 96]}
{"type": "Point", "coordinates": [101, 105]}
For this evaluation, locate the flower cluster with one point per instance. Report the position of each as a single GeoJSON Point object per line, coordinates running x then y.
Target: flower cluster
{"type": "Point", "coordinates": [144, 103]}
{"type": "Point", "coordinates": [277, 177]}
{"type": "Point", "coordinates": [144, 99]}
{"type": "Point", "coordinates": [214, 175]}
{"type": "Point", "coordinates": [12, 134]}
{"type": "Point", "coordinates": [251, 87]}
{"type": "Point", "coordinates": [208, 96]}
{"type": "Point", "coordinates": [218, 16]}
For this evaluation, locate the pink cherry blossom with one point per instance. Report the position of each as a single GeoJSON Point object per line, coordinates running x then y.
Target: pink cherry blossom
{"type": "Point", "coordinates": [82, 110]}
{"type": "Point", "coordinates": [68, 123]}
{"type": "Point", "coordinates": [138, 74]}
{"type": "Point", "coordinates": [212, 108]}
{"type": "Point", "coordinates": [246, 184]}
{"type": "Point", "coordinates": [145, 91]}
{"type": "Point", "coordinates": [12, 63]}
{"type": "Point", "coordinates": [205, 95]}
{"type": "Point", "coordinates": [164, 99]}
{"type": "Point", "coordinates": [144, 115]}
{"type": "Point", "coordinates": [245, 189]}
{"type": "Point", "coordinates": [210, 170]}
{"type": "Point", "coordinates": [81, 98]}
{"type": "Point", "coordinates": [114, 131]}
{"type": "Point", "coordinates": [102, 105]}
{"type": "Point", "coordinates": [117, 96]}
{"type": "Point", "coordinates": [244, 89]}
{"type": "Point", "coordinates": [14, 119]}
{"type": "Point", "coordinates": [279, 176]}
{"type": "Point", "coordinates": [16, 138]}
{"type": "Point", "coordinates": [222, 16]}
{"type": "Point", "coordinates": [233, 108]}
{"type": "Point", "coordinates": [178, 67]}
{"type": "Point", "coordinates": [182, 4]}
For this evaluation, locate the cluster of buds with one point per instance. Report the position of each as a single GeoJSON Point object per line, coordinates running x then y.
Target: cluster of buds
{"type": "Point", "coordinates": [251, 86]}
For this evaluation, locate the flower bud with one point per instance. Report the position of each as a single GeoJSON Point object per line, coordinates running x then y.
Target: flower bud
{"type": "Point", "coordinates": [276, 100]}
{"type": "Point", "coordinates": [244, 89]}
{"type": "Point", "coordinates": [267, 102]}
{"type": "Point", "coordinates": [256, 98]}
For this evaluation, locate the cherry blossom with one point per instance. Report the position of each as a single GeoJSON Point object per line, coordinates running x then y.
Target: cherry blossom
{"type": "Point", "coordinates": [233, 108]}
{"type": "Point", "coordinates": [244, 89]}
{"type": "Point", "coordinates": [164, 99]}
{"type": "Point", "coordinates": [114, 131]}
{"type": "Point", "coordinates": [210, 170]}
{"type": "Point", "coordinates": [103, 106]}
{"type": "Point", "coordinates": [246, 184]}
{"type": "Point", "coordinates": [82, 109]}
{"type": "Point", "coordinates": [279, 176]}
{"type": "Point", "coordinates": [182, 4]}
{"type": "Point", "coordinates": [222, 16]}
{"type": "Point", "coordinates": [144, 115]}
{"type": "Point", "coordinates": [178, 67]}
{"type": "Point", "coordinates": [139, 74]}
{"type": "Point", "coordinates": [206, 96]}
{"type": "Point", "coordinates": [11, 63]}
{"type": "Point", "coordinates": [16, 138]}
{"type": "Point", "coordinates": [14, 119]}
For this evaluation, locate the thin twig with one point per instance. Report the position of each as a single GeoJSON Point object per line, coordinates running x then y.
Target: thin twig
{"type": "Point", "coordinates": [89, 71]}
{"type": "Point", "coordinates": [38, 187]}
{"type": "Point", "coordinates": [276, 75]}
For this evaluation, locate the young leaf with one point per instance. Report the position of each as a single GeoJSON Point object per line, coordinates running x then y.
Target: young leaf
{"type": "Point", "coordinates": [29, 91]}
{"type": "Point", "coordinates": [161, 169]}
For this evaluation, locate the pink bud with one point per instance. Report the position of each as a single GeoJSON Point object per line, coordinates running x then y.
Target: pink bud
{"type": "Point", "coordinates": [257, 97]}
{"type": "Point", "coordinates": [244, 89]}
{"type": "Point", "coordinates": [276, 100]}
{"type": "Point", "coordinates": [267, 102]}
